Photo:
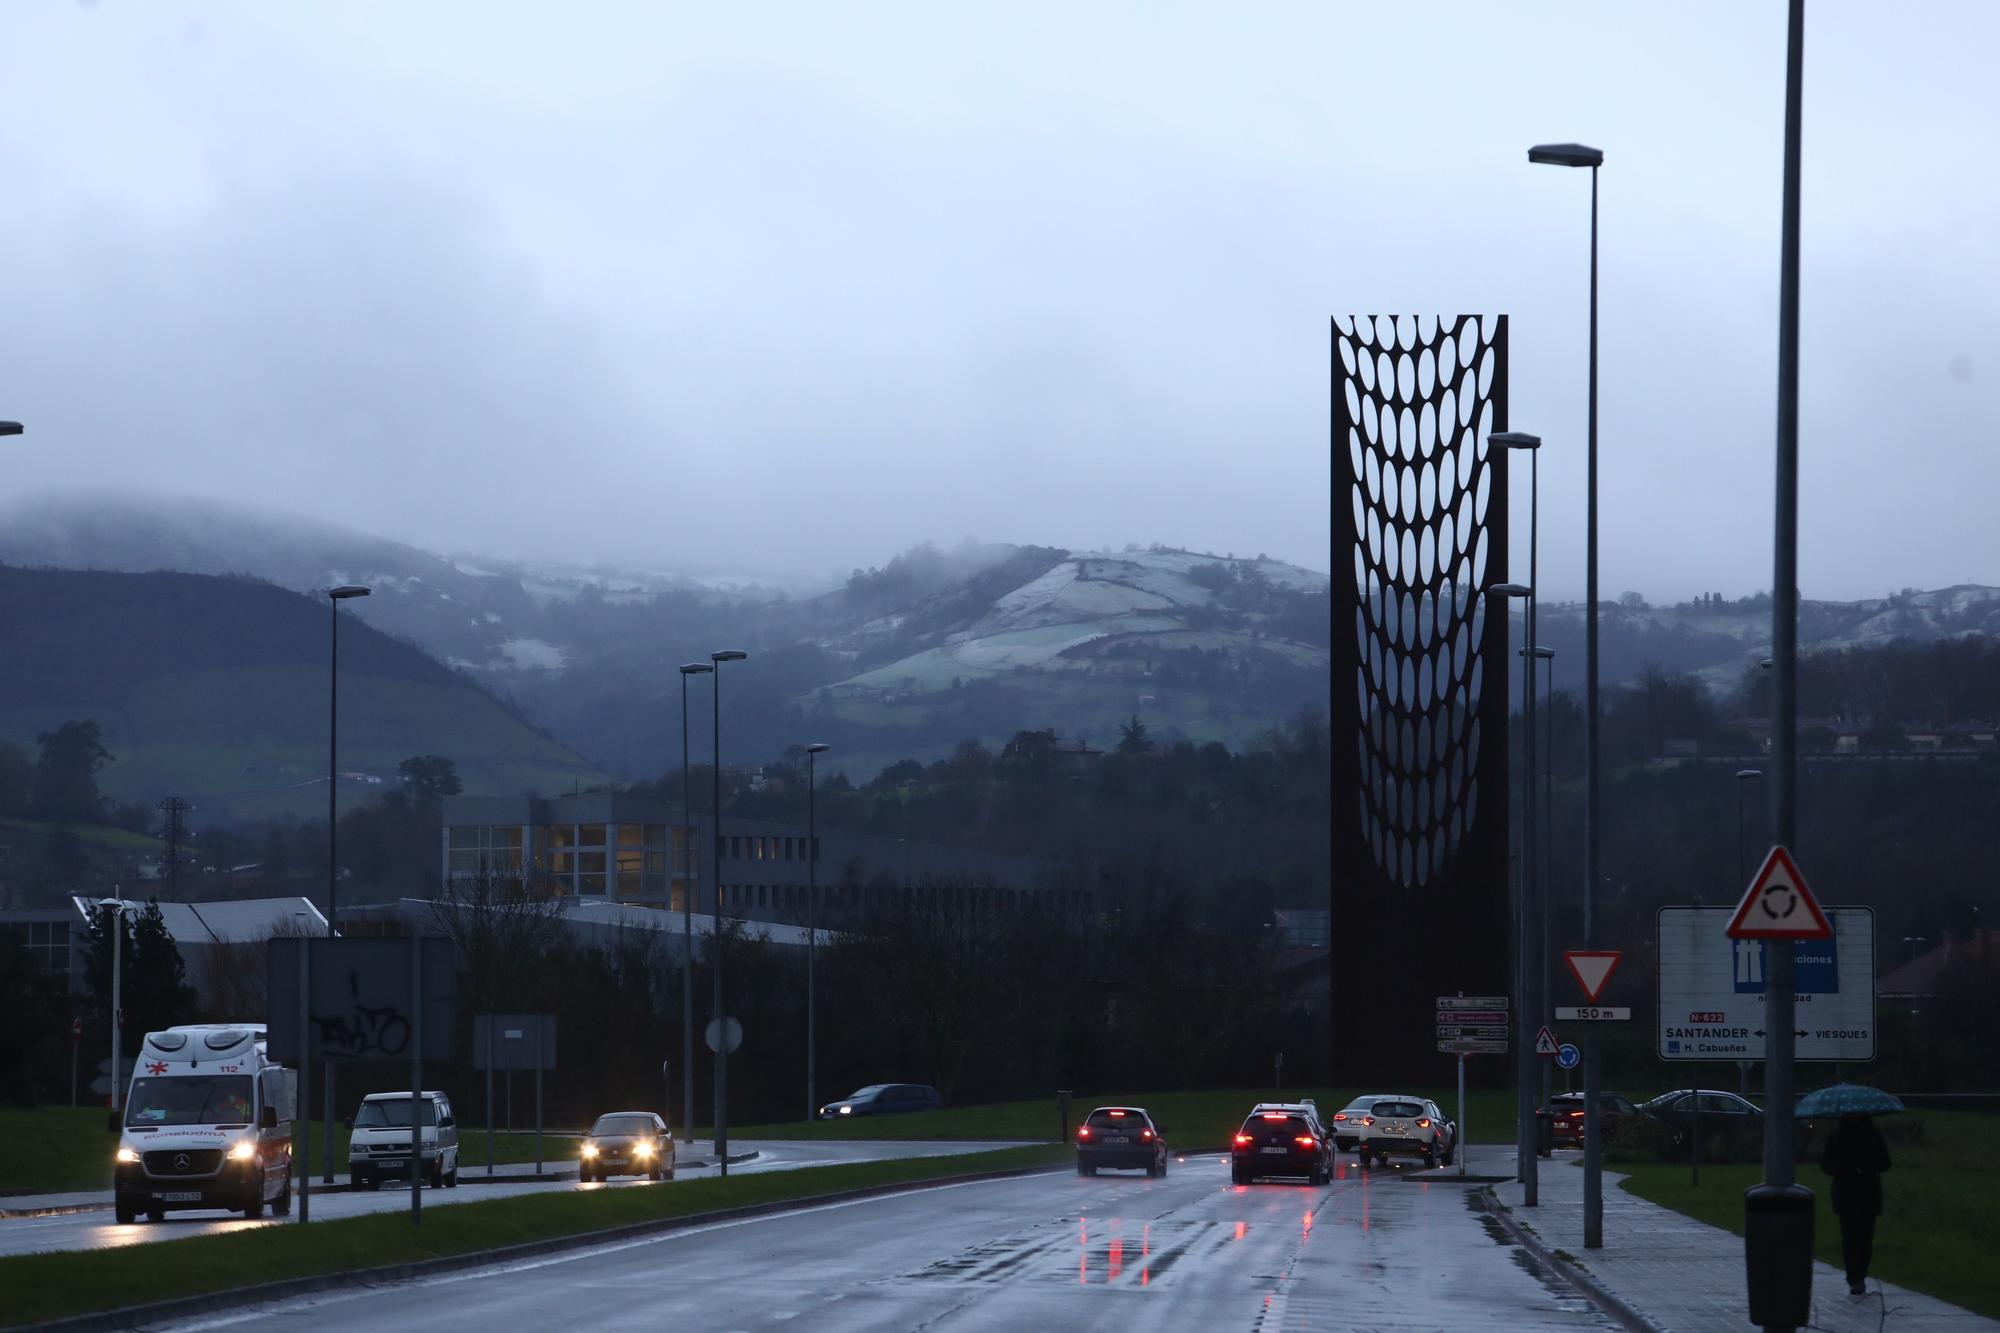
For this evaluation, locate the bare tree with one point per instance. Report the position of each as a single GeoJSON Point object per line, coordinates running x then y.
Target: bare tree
{"type": "Point", "coordinates": [501, 925]}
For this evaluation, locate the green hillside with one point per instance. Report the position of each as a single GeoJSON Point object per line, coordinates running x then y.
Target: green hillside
{"type": "Point", "coordinates": [215, 689]}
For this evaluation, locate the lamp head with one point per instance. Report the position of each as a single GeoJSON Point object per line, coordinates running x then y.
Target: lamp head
{"type": "Point", "coordinates": [347, 590]}
{"type": "Point", "coordinates": [818, 747]}
{"type": "Point", "coordinates": [1746, 773]}
{"type": "Point", "coordinates": [1566, 155]}
{"type": "Point", "coordinates": [10, 428]}
{"type": "Point", "coordinates": [695, 668]}
{"type": "Point", "coordinates": [729, 655]}
{"type": "Point", "coordinates": [1510, 590]}
{"type": "Point", "coordinates": [1515, 439]}
{"type": "Point", "coordinates": [1543, 653]}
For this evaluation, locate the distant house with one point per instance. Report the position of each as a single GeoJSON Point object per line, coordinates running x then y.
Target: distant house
{"type": "Point", "coordinates": [1923, 976]}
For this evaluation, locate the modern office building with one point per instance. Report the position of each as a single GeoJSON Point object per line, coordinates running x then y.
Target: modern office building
{"type": "Point", "coordinates": [628, 850]}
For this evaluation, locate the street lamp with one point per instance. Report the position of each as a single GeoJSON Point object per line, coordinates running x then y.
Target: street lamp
{"type": "Point", "coordinates": [117, 906]}
{"type": "Point", "coordinates": [1546, 834]}
{"type": "Point", "coordinates": [334, 597]}
{"type": "Point", "coordinates": [1582, 155]}
{"type": "Point", "coordinates": [692, 843]}
{"type": "Point", "coordinates": [715, 934]}
{"type": "Point", "coordinates": [813, 752]}
{"type": "Point", "coordinates": [10, 428]}
{"type": "Point", "coordinates": [1528, 1017]}
{"type": "Point", "coordinates": [1744, 777]}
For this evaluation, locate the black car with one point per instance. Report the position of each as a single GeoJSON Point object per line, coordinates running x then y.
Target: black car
{"type": "Point", "coordinates": [1724, 1120]}
{"type": "Point", "coordinates": [1280, 1143]}
{"type": "Point", "coordinates": [1120, 1138]}
{"type": "Point", "coordinates": [1566, 1109]}
{"type": "Point", "coordinates": [627, 1143]}
{"type": "Point", "coordinates": [883, 1099]}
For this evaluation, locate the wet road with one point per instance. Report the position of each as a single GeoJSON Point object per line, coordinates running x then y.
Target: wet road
{"type": "Point", "coordinates": [1188, 1252]}
{"type": "Point", "coordinates": [99, 1230]}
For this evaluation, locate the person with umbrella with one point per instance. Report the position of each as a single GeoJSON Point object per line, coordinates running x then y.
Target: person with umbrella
{"type": "Point", "coordinates": [1856, 1156]}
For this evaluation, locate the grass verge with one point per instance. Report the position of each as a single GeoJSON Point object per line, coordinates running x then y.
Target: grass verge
{"type": "Point", "coordinates": [1938, 1232]}
{"type": "Point", "coordinates": [54, 1286]}
{"type": "Point", "coordinates": [1190, 1119]}
{"type": "Point", "coordinates": [63, 1149]}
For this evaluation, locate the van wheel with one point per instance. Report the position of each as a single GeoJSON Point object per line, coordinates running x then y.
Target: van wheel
{"type": "Point", "coordinates": [255, 1208]}
{"type": "Point", "coordinates": [435, 1177]}
{"type": "Point", "coordinates": [156, 1214]}
{"type": "Point", "coordinates": [451, 1181]}
{"type": "Point", "coordinates": [282, 1205]}
{"type": "Point", "coordinates": [127, 1214]}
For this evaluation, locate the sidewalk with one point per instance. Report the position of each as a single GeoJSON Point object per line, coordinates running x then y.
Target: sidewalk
{"type": "Point", "coordinates": [1683, 1276]}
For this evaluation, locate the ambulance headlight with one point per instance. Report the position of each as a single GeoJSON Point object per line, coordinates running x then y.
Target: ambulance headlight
{"type": "Point", "coordinates": [246, 1151]}
{"type": "Point", "coordinates": [128, 1156]}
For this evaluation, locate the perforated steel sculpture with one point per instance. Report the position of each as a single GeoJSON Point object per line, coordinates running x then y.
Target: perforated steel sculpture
{"type": "Point", "coordinates": [1420, 840]}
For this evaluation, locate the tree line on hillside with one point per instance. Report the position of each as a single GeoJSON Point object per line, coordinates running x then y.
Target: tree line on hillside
{"type": "Point", "coordinates": [1148, 989]}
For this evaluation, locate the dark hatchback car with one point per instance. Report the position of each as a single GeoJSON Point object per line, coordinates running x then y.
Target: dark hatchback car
{"type": "Point", "coordinates": [1120, 1138]}
{"type": "Point", "coordinates": [883, 1099]}
{"type": "Point", "coordinates": [1565, 1110]}
{"type": "Point", "coordinates": [1280, 1143]}
{"type": "Point", "coordinates": [627, 1143]}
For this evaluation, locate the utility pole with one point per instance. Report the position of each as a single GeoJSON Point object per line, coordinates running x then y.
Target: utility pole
{"type": "Point", "coordinates": [173, 837]}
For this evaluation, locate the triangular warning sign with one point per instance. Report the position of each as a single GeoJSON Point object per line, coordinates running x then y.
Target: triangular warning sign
{"type": "Point", "coordinates": [1545, 1042]}
{"type": "Point", "coordinates": [1778, 905]}
{"type": "Point", "coordinates": [1592, 968]}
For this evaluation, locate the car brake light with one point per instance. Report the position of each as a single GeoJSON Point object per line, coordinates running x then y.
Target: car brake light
{"type": "Point", "coordinates": [1276, 1115]}
{"type": "Point", "coordinates": [1116, 1114]}
{"type": "Point", "coordinates": [1423, 1124]}
{"type": "Point", "coordinates": [1242, 1139]}
{"type": "Point", "coordinates": [1367, 1119]}
{"type": "Point", "coordinates": [1145, 1133]}
{"type": "Point", "coordinates": [1305, 1141]}
{"type": "Point", "coordinates": [1339, 1116]}
{"type": "Point", "coordinates": [1576, 1115]}
{"type": "Point", "coordinates": [1084, 1132]}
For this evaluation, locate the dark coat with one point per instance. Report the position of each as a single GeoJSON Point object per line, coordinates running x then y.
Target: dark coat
{"type": "Point", "coordinates": [1856, 1156]}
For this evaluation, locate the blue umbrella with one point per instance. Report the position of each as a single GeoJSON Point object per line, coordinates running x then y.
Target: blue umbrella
{"type": "Point", "coordinates": [1846, 1099]}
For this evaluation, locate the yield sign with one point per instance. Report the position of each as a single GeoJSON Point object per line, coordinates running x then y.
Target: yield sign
{"type": "Point", "coordinates": [1592, 968]}
{"type": "Point", "coordinates": [1545, 1042]}
{"type": "Point", "coordinates": [1778, 905]}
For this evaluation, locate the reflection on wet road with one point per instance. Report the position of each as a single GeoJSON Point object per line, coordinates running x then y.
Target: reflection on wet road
{"type": "Point", "coordinates": [1371, 1250]}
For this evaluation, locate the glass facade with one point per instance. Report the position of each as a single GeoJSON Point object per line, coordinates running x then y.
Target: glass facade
{"type": "Point", "coordinates": [493, 848]}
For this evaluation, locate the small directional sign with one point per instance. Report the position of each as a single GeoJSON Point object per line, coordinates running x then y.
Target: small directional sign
{"type": "Point", "coordinates": [1545, 1042]}
{"type": "Point", "coordinates": [1472, 1046]}
{"type": "Point", "coordinates": [1592, 968]}
{"type": "Point", "coordinates": [1593, 1013]}
{"type": "Point", "coordinates": [1450, 1031]}
{"type": "Point", "coordinates": [1778, 905]}
{"type": "Point", "coordinates": [1472, 1002]}
{"type": "Point", "coordinates": [1474, 1017]}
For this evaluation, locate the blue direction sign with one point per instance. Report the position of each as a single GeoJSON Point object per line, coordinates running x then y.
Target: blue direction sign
{"type": "Point", "coordinates": [1568, 1056]}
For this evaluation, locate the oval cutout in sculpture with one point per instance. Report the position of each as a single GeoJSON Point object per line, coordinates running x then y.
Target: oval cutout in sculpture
{"type": "Point", "coordinates": [1409, 556]}
{"type": "Point", "coordinates": [1427, 326]}
{"type": "Point", "coordinates": [1385, 377]}
{"type": "Point", "coordinates": [1347, 354]}
{"type": "Point", "coordinates": [1426, 373]}
{"type": "Point", "coordinates": [1427, 556]}
{"type": "Point", "coordinates": [1447, 541]}
{"type": "Point", "coordinates": [1408, 625]}
{"type": "Point", "coordinates": [1468, 398]}
{"type": "Point", "coordinates": [1427, 431]}
{"type": "Point", "coordinates": [1424, 681]}
{"type": "Point", "coordinates": [1345, 323]}
{"type": "Point", "coordinates": [1409, 480]}
{"type": "Point", "coordinates": [1365, 367]}
{"type": "Point", "coordinates": [1468, 340]}
{"type": "Point", "coordinates": [1409, 683]}
{"type": "Point", "coordinates": [1392, 553]}
{"type": "Point", "coordinates": [1406, 377]}
{"type": "Point", "coordinates": [1479, 561]}
{"type": "Point", "coordinates": [1486, 360]}
{"type": "Point", "coordinates": [1406, 433]}
{"type": "Point", "coordinates": [1483, 493]}
{"type": "Point", "coordinates": [1385, 331]}
{"type": "Point", "coordinates": [1389, 442]}
{"type": "Point", "coordinates": [1426, 496]}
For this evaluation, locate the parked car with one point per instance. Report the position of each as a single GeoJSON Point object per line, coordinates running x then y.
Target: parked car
{"type": "Point", "coordinates": [1346, 1125]}
{"type": "Point", "coordinates": [1407, 1127]}
{"type": "Point", "coordinates": [883, 1099]}
{"type": "Point", "coordinates": [627, 1143]}
{"type": "Point", "coordinates": [1723, 1120]}
{"type": "Point", "coordinates": [1565, 1110]}
{"type": "Point", "coordinates": [1281, 1143]}
{"type": "Point", "coordinates": [1120, 1138]}
{"type": "Point", "coordinates": [379, 1145]}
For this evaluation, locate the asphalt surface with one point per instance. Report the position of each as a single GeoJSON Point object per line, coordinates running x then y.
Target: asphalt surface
{"type": "Point", "coordinates": [99, 1230]}
{"type": "Point", "coordinates": [1190, 1251]}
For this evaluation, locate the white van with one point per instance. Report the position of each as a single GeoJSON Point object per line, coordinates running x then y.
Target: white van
{"type": "Point", "coordinates": [379, 1144]}
{"type": "Point", "coordinates": [207, 1124]}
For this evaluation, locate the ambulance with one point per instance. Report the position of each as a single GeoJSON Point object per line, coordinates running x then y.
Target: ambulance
{"type": "Point", "coordinates": [207, 1124]}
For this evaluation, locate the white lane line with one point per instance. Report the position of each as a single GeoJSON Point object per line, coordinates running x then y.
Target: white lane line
{"type": "Point", "coordinates": [590, 1252]}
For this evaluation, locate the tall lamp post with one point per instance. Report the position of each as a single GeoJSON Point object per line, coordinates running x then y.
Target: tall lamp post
{"type": "Point", "coordinates": [334, 597]}
{"type": "Point", "coordinates": [1534, 911]}
{"type": "Point", "coordinates": [813, 752]}
{"type": "Point", "coordinates": [1526, 1018]}
{"type": "Point", "coordinates": [715, 935]}
{"type": "Point", "coordinates": [1581, 155]}
{"type": "Point", "coordinates": [1744, 777]}
{"type": "Point", "coordinates": [1545, 833]}
{"type": "Point", "coordinates": [117, 906]}
{"type": "Point", "coordinates": [688, 894]}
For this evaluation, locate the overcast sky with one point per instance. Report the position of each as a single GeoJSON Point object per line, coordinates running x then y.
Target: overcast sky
{"type": "Point", "coordinates": [788, 288]}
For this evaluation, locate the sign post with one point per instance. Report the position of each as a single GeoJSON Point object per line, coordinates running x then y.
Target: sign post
{"type": "Point", "coordinates": [1592, 969]}
{"type": "Point", "coordinates": [1470, 1025]}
